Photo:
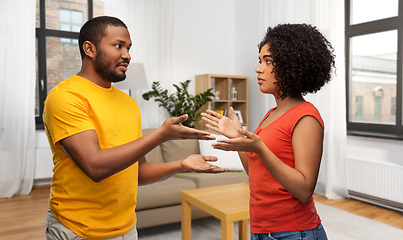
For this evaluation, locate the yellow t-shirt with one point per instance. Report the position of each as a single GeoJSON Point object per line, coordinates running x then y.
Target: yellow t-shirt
{"type": "Point", "coordinates": [92, 210]}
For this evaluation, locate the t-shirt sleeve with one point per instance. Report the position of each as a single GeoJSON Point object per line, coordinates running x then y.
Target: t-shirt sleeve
{"type": "Point", "coordinates": [66, 113]}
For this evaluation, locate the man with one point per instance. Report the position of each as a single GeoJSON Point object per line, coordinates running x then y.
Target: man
{"type": "Point", "coordinates": [94, 131]}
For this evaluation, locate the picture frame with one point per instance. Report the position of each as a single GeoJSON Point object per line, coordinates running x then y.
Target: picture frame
{"type": "Point", "coordinates": [239, 115]}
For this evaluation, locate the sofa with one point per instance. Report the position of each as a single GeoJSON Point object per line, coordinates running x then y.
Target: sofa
{"type": "Point", "coordinates": [160, 203]}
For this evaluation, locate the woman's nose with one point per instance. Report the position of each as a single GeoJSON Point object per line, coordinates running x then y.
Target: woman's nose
{"type": "Point", "coordinates": [258, 69]}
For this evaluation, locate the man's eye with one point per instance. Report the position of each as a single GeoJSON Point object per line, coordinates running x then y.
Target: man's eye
{"type": "Point", "coordinates": [117, 45]}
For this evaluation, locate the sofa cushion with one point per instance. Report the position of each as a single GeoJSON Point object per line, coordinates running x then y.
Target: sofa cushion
{"type": "Point", "coordinates": [179, 149]}
{"type": "Point", "coordinates": [210, 179]}
{"type": "Point", "coordinates": [164, 193]}
{"type": "Point", "coordinates": [154, 155]}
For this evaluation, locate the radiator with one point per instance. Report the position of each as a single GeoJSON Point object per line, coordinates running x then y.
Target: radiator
{"type": "Point", "coordinates": [377, 183]}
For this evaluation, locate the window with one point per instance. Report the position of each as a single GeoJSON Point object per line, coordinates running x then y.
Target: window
{"type": "Point", "coordinates": [377, 112]}
{"type": "Point", "coordinates": [374, 68]}
{"type": "Point", "coordinates": [57, 54]}
{"type": "Point", "coordinates": [358, 106]}
{"type": "Point", "coordinates": [393, 107]}
{"type": "Point", "coordinates": [70, 21]}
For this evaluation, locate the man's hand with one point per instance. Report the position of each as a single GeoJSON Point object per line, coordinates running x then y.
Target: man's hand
{"type": "Point", "coordinates": [223, 124]}
{"type": "Point", "coordinates": [198, 163]}
{"type": "Point", "coordinates": [173, 129]}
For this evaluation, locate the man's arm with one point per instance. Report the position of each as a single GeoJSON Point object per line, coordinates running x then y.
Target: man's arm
{"type": "Point", "coordinates": [98, 164]}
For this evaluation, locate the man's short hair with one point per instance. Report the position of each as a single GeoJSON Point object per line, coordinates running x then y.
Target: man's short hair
{"type": "Point", "coordinates": [94, 29]}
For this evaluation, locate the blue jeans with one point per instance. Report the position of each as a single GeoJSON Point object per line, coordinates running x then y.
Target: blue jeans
{"type": "Point", "coordinates": [317, 233]}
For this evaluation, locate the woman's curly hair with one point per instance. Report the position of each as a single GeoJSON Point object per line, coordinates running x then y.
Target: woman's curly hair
{"type": "Point", "coordinates": [303, 58]}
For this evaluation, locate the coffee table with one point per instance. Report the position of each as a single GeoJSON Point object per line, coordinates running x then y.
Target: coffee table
{"type": "Point", "coordinates": [228, 203]}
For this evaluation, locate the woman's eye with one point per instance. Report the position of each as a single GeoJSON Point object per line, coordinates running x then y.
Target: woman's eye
{"type": "Point", "coordinates": [268, 61]}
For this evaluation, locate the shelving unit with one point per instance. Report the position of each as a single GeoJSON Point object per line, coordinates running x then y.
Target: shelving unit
{"type": "Point", "coordinates": [223, 84]}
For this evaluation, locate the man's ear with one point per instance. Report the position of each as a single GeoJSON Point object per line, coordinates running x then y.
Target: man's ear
{"type": "Point", "coordinates": [89, 49]}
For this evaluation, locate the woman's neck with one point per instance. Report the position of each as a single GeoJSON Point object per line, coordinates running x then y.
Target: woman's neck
{"type": "Point", "coordinates": [288, 103]}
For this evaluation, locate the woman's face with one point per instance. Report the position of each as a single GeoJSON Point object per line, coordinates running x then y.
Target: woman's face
{"type": "Point", "coordinates": [265, 77]}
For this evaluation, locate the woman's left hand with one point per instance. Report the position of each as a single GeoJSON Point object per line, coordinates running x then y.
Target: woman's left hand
{"type": "Point", "coordinates": [248, 142]}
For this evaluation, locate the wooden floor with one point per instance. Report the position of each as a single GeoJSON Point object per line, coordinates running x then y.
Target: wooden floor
{"type": "Point", "coordinates": [23, 216]}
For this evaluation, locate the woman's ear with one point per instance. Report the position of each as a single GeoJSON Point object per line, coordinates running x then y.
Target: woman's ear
{"type": "Point", "coordinates": [89, 49]}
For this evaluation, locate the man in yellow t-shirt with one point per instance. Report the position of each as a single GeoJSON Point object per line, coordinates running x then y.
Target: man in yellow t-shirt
{"type": "Point", "coordinates": [94, 132]}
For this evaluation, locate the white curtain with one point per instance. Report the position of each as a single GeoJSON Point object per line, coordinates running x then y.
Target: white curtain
{"type": "Point", "coordinates": [328, 16]}
{"type": "Point", "coordinates": [17, 96]}
{"type": "Point", "coordinates": [150, 23]}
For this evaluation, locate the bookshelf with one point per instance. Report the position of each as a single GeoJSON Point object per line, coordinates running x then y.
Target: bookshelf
{"type": "Point", "coordinates": [223, 84]}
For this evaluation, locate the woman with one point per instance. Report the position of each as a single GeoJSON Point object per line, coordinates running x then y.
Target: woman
{"type": "Point", "coordinates": [282, 157]}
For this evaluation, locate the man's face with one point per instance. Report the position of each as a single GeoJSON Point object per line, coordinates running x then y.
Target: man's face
{"type": "Point", "coordinates": [112, 56]}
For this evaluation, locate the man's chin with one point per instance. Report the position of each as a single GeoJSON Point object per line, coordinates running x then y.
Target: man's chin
{"type": "Point", "coordinates": [118, 78]}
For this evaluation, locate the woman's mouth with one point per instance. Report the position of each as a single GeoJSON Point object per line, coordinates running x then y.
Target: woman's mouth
{"type": "Point", "coordinates": [260, 81]}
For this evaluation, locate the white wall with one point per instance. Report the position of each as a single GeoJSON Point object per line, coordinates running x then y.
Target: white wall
{"type": "Point", "coordinates": [203, 39]}
{"type": "Point", "coordinates": [374, 149]}
{"type": "Point", "coordinates": [44, 163]}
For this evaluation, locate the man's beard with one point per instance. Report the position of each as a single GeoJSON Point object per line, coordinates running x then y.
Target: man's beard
{"type": "Point", "coordinates": [102, 66]}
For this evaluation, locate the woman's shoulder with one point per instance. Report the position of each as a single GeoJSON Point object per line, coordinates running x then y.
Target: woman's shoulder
{"type": "Point", "coordinates": [306, 109]}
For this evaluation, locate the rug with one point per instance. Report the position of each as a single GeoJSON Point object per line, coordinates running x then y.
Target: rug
{"type": "Point", "coordinates": [339, 225]}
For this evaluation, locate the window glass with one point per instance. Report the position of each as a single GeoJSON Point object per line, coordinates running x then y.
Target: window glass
{"type": "Point", "coordinates": [62, 61]}
{"type": "Point", "coordinates": [378, 107]}
{"type": "Point", "coordinates": [373, 10]}
{"type": "Point", "coordinates": [358, 106]}
{"type": "Point", "coordinates": [373, 76]}
{"type": "Point", "coordinates": [37, 14]}
{"type": "Point", "coordinates": [393, 110]}
{"type": "Point", "coordinates": [70, 12]}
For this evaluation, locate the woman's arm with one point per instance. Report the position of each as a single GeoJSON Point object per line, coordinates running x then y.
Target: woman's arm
{"type": "Point", "coordinates": [307, 143]}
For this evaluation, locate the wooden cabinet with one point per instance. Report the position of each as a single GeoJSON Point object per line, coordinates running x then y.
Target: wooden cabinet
{"type": "Point", "coordinates": [223, 85]}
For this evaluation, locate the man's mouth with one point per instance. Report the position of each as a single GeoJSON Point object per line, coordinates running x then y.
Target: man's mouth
{"type": "Point", "coordinates": [123, 66]}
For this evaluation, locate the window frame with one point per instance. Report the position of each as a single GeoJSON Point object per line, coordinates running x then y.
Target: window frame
{"type": "Point", "coordinates": [375, 130]}
{"type": "Point", "coordinates": [41, 34]}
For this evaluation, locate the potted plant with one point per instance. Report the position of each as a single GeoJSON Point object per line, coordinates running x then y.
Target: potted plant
{"type": "Point", "coordinates": [181, 102]}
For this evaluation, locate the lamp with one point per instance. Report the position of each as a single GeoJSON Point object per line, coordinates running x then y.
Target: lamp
{"type": "Point", "coordinates": [135, 78]}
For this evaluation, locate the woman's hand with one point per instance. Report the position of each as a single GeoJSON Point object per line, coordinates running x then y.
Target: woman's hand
{"type": "Point", "coordinates": [223, 124]}
{"type": "Point", "coordinates": [247, 142]}
{"type": "Point", "coordinates": [199, 163]}
{"type": "Point", "coordinates": [172, 128]}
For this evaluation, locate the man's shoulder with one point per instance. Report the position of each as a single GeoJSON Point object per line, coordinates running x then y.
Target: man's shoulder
{"type": "Point", "coordinates": [65, 90]}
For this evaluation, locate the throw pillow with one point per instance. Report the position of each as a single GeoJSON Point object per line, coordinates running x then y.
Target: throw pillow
{"type": "Point", "coordinates": [226, 159]}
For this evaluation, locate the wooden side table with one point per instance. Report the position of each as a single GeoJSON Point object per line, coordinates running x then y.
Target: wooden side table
{"type": "Point", "coordinates": [228, 203]}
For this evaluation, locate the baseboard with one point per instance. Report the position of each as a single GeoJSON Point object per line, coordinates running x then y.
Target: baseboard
{"type": "Point", "coordinates": [42, 182]}
{"type": "Point", "coordinates": [397, 206]}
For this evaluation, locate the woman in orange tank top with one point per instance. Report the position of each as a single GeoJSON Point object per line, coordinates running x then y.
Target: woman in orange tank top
{"type": "Point", "coordinates": [282, 157]}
